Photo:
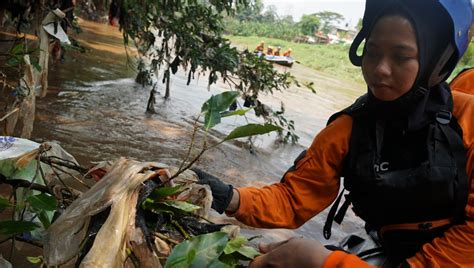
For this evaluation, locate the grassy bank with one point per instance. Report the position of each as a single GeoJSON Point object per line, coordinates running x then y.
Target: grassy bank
{"type": "Point", "coordinates": [330, 59]}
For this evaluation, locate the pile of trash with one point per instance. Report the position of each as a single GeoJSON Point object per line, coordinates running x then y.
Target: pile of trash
{"type": "Point", "coordinates": [124, 213]}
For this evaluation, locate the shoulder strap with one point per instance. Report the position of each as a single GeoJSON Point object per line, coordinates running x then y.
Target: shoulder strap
{"type": "Point", "coordinates": [353, 110]}
{"type": "Point", "coordinates": [453, 133]}
{"type": "Point", "coordinates": [332, 216]}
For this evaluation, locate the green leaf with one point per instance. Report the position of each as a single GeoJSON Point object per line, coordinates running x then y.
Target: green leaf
{"type": "Point", "coordinates": [248, 252]}
{"type": "Point", "coordinates": [35, 260]}
{"type": "Point", "coordinates": [42, 202]}
{"type": "Point", "coordinates": [236, 112]}
{"type": "Point", "coordinates": [211, 119]}
{"type": "Point", "coordinates": [16, 227]}
{"type": "Point", "coordinates": [215, 105]}
{"type": "Point", "coordinates": [14, 61]}
{"type": "Point", "coordinates": [4, 203]}
{"type": "Point", "coordinates": [184, 206]}
{"type": "Point", "coordinates": [164, 192]}
{"type": "Point", "coordinates": [235, 244]}
{"type": "Point", "coordinates": [18, 49]}
{"type": "Point", "coordinates": [220, 102]}
{"type": "Point", "coordinates": [158, 208]}
{"type": "Point", "coordinates": [43, 217]}
{"type": "Point", "coordinates": [199, 251]}
{"type": "Point", "coordinates": [250, 130]}
{"type": "Point", "coordinates": [231, 260]}
{"type": "Point", "coordinates": [36, 65]}
{"type": "Point", "coordinates": [218, 263]}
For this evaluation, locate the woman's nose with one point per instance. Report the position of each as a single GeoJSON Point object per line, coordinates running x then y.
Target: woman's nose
{"type": "Point", "coordinates": [383, 68]}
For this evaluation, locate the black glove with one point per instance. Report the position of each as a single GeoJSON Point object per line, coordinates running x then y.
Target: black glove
{"type": "Point", "coordinates": [222, 193]}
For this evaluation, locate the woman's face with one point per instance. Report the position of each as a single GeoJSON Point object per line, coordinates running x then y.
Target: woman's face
{"type": "Point", "coordinates": [390, 63]}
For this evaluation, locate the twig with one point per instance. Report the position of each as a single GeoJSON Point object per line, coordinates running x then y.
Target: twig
{"type": "Point", "coordinates": [190, 164]}
{"type": "Point", "coordinates": [187, 166]}
{"type": "Point", "coordinates": [38, 163]}
{"type": "Point", "coordinates": [4, 82]}
{"type": "Point", "coordinates": [133, 258]}
{"type": "Point", "coordinates": [193, 137]}
{"type": "Point", "coordinates": [74, 177]}
{"type": "Point", "coordinates": [9, 113]}
{"type": "Point", "coordinates": [59, 178]}
{"type": "Point", "coordinates": [63, 162]}
{"type": "Point", "coordinates": [25, 184]}
{"type": "Point", "coordinates": [164, 237]}
{"type": "Point", "coordinates": [42, 173]}
{"type": "Point", "coordinates": [201, 217]}
{"type": "Point", "coordinates": [180, 229]}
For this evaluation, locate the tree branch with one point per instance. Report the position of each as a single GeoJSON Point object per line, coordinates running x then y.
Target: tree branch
{"type": "Point", "coordinates": [26, 184]}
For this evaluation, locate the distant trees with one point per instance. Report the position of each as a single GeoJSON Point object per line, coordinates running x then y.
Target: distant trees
{"type": "Point", "coordinates": [328, 20]}
{"type": "Point", "coordinates": [270, 15]}
{"type": "Point", "coordinates": [259, 21]}
{"type": "Point", "coordinates": [249, 12]}
{"type": "Point", "coordinates": [359, 24]}
{"type": "Point", "coordinates": [255, 20]}
{"type": "Point", "coordinates": [309, 24]}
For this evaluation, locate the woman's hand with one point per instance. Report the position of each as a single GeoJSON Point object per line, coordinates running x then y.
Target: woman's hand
{"type": "Point", "coordinates": [294, 252]}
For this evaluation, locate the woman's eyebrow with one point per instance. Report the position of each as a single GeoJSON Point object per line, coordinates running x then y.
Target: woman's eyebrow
{"type": "Point", "coordinates": [405, 48]}
{"type": "Point", "coordinates": [398, 47]}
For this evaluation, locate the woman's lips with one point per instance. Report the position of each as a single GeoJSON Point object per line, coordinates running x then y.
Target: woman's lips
{"type": "Point", "coordinates": [382, 87]}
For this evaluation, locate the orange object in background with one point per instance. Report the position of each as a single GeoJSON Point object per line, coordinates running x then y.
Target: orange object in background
{"type": "Point", "coordinates": [260, 47]}
{"type": "Point", "coordinates": [464, 82]}
{"type": "Point", "coordinates": [269, 51]}
{"type": "Point", "coordinates": [287, 53]}
{"type": "Point", "coordinates": [277, 51]}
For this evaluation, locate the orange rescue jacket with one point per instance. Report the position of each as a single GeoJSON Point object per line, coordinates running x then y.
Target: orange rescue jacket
{"type": "Point", "coordinates": [314, 184]}
{"type": "Point", "coordinates": [464, 82]}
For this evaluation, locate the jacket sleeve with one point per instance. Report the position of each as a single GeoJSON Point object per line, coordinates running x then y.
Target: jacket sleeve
{"type": "Point", "coordinates": [340, 259]}
{"type": "Point", "coordinates": [305, 191]}
{"type": "Point", "coordinates": [456, 247]}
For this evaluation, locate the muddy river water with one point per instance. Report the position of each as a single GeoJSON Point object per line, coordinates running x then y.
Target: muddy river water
{"type": "Point", "coordinates": [96, 111]}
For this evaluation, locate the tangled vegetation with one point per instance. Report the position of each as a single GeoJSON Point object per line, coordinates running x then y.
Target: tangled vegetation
{"type": "Point", "coordinates": [188, 35]}
{"type": "Point", "coordinates": [156, 217]}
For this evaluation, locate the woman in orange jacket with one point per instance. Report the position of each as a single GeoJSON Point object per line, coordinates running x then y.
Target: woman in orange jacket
{"type": "Point", "coordinates": [405, 150]}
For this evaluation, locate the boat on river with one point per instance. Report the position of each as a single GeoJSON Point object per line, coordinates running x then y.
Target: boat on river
{"type": "Point", "coordinates": [282, 60]}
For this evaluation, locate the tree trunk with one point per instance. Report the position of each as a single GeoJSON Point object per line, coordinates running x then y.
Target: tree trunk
{"type": "Point", "coordinates": [167, 92]}
{"type": "Point", "coordinates": [150, 107]}
{"type": "Point", "coordinates": [167, 77]}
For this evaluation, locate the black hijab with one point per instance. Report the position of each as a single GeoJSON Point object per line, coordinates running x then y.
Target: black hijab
{"type": "Point", "coordinates": [429, 93]}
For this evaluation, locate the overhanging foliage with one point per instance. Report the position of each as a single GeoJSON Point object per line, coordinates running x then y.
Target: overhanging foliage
{"type": "Point", "coordinates": [174, 34]}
